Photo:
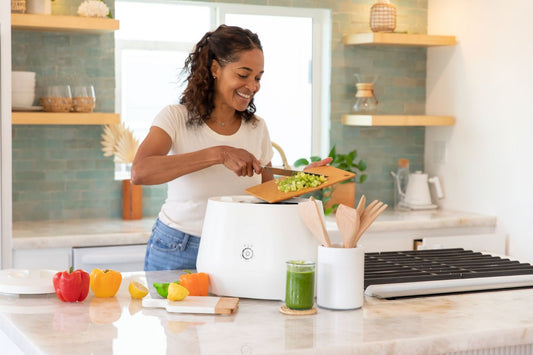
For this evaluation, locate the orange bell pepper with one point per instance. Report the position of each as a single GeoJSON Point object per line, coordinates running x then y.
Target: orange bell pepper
{"type": "Point", "coordinates": [197, 284]}
{"type": "Point", "coordinates": [105, 283]}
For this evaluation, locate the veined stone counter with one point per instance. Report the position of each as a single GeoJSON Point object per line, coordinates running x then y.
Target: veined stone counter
{"type": "Point", "coordinates": [501, 320]}
{"type": "Point", "coordinates": [101, 232]}
{"type": "Point", "coordinates": [80, 233]}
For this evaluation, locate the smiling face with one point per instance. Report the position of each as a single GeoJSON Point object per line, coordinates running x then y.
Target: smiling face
{"type": "Point", "coordinates": [237, 82]}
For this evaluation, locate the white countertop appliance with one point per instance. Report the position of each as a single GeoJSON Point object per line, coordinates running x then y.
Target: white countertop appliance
{"type": "Point", "coordinates": [246, 242]}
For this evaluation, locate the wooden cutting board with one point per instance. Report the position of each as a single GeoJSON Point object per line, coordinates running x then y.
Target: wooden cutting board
{"type": "Point", "coordinates": [195, 304]}
{"type": "Point", "coordinates": [269, 192]}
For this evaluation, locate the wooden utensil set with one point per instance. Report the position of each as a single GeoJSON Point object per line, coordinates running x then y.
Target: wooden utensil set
{"type": "Point", "coordinates": [352, 222]}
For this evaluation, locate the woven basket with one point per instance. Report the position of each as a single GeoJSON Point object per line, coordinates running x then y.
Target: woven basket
{"type": "Point", "coordinates": [83, 104]}
{"type": "Point", "coordinates": [383, 17]}
{"type": "Point", "coordinates": [56, 104]}
{"type": "Point", "coordinates": [18, 6]}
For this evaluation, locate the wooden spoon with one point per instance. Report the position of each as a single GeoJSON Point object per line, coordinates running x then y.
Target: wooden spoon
{"type": "Point", "coordinates": [313, 221]}
{"type": "Point", "coordinates": [348, 222]}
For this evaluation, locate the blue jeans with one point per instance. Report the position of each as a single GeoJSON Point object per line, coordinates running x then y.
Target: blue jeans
{"type": "Point", "coordinates": [170, 249]}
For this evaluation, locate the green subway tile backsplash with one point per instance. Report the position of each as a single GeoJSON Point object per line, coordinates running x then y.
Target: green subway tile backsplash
{"type": "Point", "coordinates": [59, 172]}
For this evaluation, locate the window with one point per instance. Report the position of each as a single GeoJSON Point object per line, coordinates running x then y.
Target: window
{"type": "Point", "coordinates": [294, 96]}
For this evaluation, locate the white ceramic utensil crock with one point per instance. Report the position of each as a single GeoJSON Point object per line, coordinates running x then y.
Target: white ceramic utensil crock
{"type": "Point", "coordinates": [340, 278]}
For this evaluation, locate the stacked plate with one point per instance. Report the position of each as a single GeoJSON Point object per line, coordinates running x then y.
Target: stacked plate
{"type": "Point", "coordinates": [27, 281]}
{"type": "Point", "coordinates": [23, 90]}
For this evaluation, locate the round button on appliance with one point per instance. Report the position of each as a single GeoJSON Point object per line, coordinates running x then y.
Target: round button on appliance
{"type": "Point", "coordinates": [247, 253]}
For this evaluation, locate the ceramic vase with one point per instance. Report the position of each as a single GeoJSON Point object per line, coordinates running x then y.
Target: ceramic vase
{"type": "Point", "coordinates": [132, 196]}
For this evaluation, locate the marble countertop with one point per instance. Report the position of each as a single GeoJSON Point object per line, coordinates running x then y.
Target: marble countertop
{"type": "Point", "coordinates": [80, 233]}
{"type": "Point", "coordinates": [100, 232]}
{"type": "Point", "coordinates": [120, 325]}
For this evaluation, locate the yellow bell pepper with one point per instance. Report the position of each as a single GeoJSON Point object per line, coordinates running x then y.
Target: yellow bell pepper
{"type": "Point", "coordinates": [105, 283]}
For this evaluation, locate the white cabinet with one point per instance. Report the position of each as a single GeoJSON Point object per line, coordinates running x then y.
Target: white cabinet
{"type": "Point", "coordinates": [121, 258]}
{"type": "Point", "coordinates": [394, 231]}
{"type": "Point", "coordinates": [493, 243]}
{"type": "Point", "coordinates": [53, 259]}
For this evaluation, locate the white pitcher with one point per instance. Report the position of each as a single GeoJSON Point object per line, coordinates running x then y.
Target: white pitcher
{"type": "Point", "coordinates": [417, 192]}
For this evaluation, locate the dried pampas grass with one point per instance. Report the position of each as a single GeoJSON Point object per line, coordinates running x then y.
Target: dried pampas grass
{"type": "Point", "coordinates": [119, 141]}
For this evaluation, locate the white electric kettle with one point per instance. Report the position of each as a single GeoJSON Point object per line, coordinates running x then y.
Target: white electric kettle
{"type": "Point", "coordinates": [417, 194]}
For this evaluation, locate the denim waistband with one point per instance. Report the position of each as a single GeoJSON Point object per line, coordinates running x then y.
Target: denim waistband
{"type": "Point", "coordinates": [166, 229]}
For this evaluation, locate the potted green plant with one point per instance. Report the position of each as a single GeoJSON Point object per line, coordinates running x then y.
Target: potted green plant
{"type": "Point", "coordinates": [343, 192]}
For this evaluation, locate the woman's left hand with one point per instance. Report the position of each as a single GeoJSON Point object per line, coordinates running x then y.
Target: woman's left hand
{"type": "Point", "coordinates": [322, 162]}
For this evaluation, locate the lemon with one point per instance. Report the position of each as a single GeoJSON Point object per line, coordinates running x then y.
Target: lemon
{"type": "Point", "coordinates": [176, 292]}
{"type": "Point", "coordinates": [137, 289]}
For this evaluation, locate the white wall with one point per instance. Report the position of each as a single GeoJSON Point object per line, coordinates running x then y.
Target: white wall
{"type": "Point", "coordinates": [485, 161]}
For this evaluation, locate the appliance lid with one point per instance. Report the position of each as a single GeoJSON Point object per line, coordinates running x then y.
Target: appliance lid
{"type": "Point", "coordinates": [254, 200]}
{"type": "Point", "coordinates": [437, 271]}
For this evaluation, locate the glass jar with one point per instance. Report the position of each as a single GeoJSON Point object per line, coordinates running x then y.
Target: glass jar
{"type": "Point", "coordinates": [365, 100]}
{"type": "Point", "coordinates": [401, 179]}
{"type": "Point", "coordinates": [300, 284]}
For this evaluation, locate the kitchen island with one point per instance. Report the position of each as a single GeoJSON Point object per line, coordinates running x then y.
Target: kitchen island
{"type": "Point", "coordinates": [120, 325]}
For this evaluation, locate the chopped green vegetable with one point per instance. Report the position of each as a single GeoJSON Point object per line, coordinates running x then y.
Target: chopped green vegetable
{"type": "Point", "coordinates": [299, 181]}
{"type": "Point", "coordinates": [162, 288]}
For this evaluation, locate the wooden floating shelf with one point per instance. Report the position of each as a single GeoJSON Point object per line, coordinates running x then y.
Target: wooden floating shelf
{"type": "Point", "coordinates": [397, 120]}
{"type": "Point", "coordinates": [398, 39]}
{"type": "Point", "coordinates": [55, 23]}
{"type": "Point", "coordinates": [64, 118]}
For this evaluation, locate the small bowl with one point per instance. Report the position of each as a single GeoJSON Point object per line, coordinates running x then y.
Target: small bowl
{"type": "Point", "coordinates": [22, 98]}
{"type": "Point", "coordinates": [22, 80]}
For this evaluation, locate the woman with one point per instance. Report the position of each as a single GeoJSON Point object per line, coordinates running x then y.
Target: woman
{"type": "Point", "coordinates": [211, 144]}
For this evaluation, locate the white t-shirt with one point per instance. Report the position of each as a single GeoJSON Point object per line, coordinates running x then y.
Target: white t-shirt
{"type": "Point", "coordinates": [184, 208]}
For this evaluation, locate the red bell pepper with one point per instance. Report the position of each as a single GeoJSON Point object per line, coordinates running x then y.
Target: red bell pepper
{"type": "Point", "coordinates": [71, 286]}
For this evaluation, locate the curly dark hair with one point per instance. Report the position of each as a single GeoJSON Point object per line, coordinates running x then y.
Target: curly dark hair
{"type": "Point", "coordinates": [224, 45]}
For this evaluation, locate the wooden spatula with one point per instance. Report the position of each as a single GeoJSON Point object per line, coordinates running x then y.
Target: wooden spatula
{"type": "Point", "coordinates": [369, 216]}
{"type": "Point", "coordinates": [361, 205]}
{"type": "Point", "coordinates": [312, 219]}
{"type": "Point", "coordinates": [348, 222]}
{"type": "Point", "coordinates": [322, 225]}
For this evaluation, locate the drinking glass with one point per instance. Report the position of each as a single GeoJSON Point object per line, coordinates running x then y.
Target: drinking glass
{"type": "Point", "coordinates": [300, 284]}
{"type": "Point", "coordinates": [58, 98]}
{"type": "Point", "coordinates": [83, 98]}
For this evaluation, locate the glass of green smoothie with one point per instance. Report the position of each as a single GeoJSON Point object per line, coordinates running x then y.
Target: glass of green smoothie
{"type": "Point", "coordinates": [300, 284]}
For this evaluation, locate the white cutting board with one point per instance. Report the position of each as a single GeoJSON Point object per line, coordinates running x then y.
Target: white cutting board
{"type": "Point", "coordinates": [195, 304]}
{"type": "Point", "coordinates": [27, 281]}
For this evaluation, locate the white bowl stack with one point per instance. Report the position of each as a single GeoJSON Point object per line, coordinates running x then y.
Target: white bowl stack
{"type": "Point", "coordinates": [23, 89]}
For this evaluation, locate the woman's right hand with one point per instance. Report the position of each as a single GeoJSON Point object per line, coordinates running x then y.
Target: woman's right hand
{"type": "Point", "coordinates": [240, 161]}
